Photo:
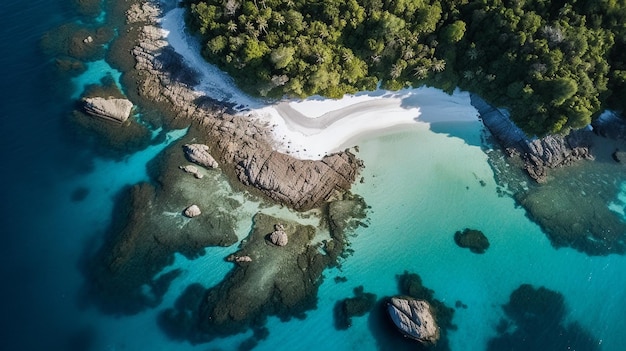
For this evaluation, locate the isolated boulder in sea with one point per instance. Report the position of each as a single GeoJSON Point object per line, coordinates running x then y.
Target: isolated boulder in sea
{"type": "Point", "coordinates": [199, 154]}
{"type": "Point", "coordinates": [414, 319]}
{"type": "Point", "coordinates": [116, 110]}
{"type": "Point", "coordinates": [472, 239]}
{"type": "Point", "coordinates": [279, 238]}
{"type": "Point", "coordinates": [192, 211]}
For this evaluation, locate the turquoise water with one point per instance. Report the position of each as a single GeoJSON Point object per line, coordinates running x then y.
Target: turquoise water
{"type": "Point", "coordinates": [423, 184]}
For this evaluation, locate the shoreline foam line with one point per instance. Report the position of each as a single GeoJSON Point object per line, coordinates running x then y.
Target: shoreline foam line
{"type": "Point", "coordinates": [317, 126]}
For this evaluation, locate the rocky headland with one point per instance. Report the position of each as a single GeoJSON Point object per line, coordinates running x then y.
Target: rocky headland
{"type": "Point", "coordinates": [241, 144]}
{"type": "Point", "coordinates": [188, 204]}
{"type": "Point", "coordinates": [569, 194]}
{"type": "Point", "coordinates": [537, 155]}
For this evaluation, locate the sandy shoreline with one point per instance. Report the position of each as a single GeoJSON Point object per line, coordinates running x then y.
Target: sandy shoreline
{"type": "Point", "coordinates": [314, 127]}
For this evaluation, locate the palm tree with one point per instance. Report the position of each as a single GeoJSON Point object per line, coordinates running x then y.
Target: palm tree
{"type": "Point", "coordinates": [438, 65]}
{"type": "Point", "coordinates": [262, 22]}
{"type": "Point", "coordinates": [279, 19]}
{"type": "Point", "coordinates": [472, 53]}
{"type": "Point", "coordinates": [232, 26]}
{"type": "Point", "coordinates": [420, 72]}
{"type": "Point", "coordinates": [396, 71]}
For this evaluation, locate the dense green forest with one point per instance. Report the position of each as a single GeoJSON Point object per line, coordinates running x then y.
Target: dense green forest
{"type": "Point", "coordinates": [554, 64]}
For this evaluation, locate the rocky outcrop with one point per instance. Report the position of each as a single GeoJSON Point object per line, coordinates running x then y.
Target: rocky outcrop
{"type": "Point", "coordinates": [238, 259]}
{"type": "Point", "coordinates": [199, 154]}
{"type": "Point", "coordinates": [414, 319]}
{"type": "Point", "coordinates": [538, 154]}
{"type": "Point", "coordinates": [192, 170]}
{"type": "Point", "coordinates": [192, 211]}
{"type": "Point", "coordinates": [116, 110]}
{"type": "Point", "coordinates": [279, 237]}
{"type": "Point", "coordinates": [243, 145]}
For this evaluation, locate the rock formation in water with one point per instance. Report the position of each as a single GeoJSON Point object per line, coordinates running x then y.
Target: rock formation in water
{"type": "Point", "coordinates": [356, 306]}
{"type": "Point", "coordinates": [199, 154]}
{"type": "Point", "coordinates": [242, 144]}
{"type": "Point", "coordinates": [278, 237]}
{"type": "Point", "coordinates": [414, 319]}
{"type": "Point", "coordinates": [192, 211]}
{"type": "Point", "coordinates": [115, 110]}
{"type": "Point", "coordinates": [538, 154]}
{"type": "Point", "coordinates": [148, 229]}
{"type": "Point", "coordinates": [192, 170]}
{"type": "Point", "coordinates": [538, 319]}
{"type": "Point", "coordinates": [473, 239]}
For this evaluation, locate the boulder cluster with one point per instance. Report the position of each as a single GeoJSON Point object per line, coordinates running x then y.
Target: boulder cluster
{"type": "Point", "coordinates": [279, 237]}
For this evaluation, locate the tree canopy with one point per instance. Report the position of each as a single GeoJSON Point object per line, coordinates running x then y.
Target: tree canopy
{"type": "Point", "coordinates": [554, 64]}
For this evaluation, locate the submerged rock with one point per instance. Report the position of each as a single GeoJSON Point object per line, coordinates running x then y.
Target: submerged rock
{"type": "Point", "coordinates": [192, 211]}
{"type": "Point", "coordinates": [356, 306]}
{"type": "Point", "coordinates": [414, 319]}
{"type": "Point", "coordinates": [116, 110]}
{"type": "Point", "coordinates": [619, 156]}
{"type": "Point", "coordinates": [472, 239]}
{"type": "Point", "coordinates": [199, 154]}
{"type": "Point", "coordinates": [536, 320]}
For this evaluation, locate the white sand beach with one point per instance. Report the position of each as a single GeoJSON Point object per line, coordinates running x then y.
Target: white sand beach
{"type": "Point", "coordinates": [314, 127]}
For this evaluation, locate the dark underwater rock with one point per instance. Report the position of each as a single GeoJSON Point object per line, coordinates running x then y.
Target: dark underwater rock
{"type": "Point", "coordinates": [536, 321]}
{"type": "Point", "coordinates": [281, 281]}
{"type": "Point", "coordinates": [472, 239]}
{"type": "Point", "coordinates": [356, 306]}
{"type": "Point", "coordinates": [149, 227]}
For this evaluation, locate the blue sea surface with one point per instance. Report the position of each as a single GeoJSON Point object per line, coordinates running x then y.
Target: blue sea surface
{"type": "Point", "coordinates": [423, 184]}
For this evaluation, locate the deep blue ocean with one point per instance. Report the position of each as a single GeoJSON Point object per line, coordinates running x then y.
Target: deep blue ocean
{"type": "Point", "coordinates": [46, 233]}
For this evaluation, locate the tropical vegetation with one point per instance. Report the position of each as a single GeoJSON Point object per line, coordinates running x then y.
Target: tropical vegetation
{"type": "Point", "coordinates": [554, 64]}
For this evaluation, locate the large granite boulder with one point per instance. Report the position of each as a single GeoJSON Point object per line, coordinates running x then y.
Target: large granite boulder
{"type": "Point", "coordinates": [279, 237]}
{"type": "Point", "coordinates": [414, 319]}
{"type": "Point", "coordinates": [199, 154]}
{"type": "Point", "coordinates": [192, 211]}
{"type": "Point", "coordinates": [116, 110]}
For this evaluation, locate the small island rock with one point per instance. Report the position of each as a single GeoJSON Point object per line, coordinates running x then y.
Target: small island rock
{"type": "Point", "coordinates": [414, 319]}
{"type": "Point", "coordinates": [116, 110]}
{"type": "Point", "coordinates": [279, 238]}
{"type": "Point", "coordinates": [199, 154]}
{"type": "Point", "coordinates": [192, 211]}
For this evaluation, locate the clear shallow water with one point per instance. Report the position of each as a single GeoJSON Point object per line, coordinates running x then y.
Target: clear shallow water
{"type": "Point", "coordinates": [422, 186]}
